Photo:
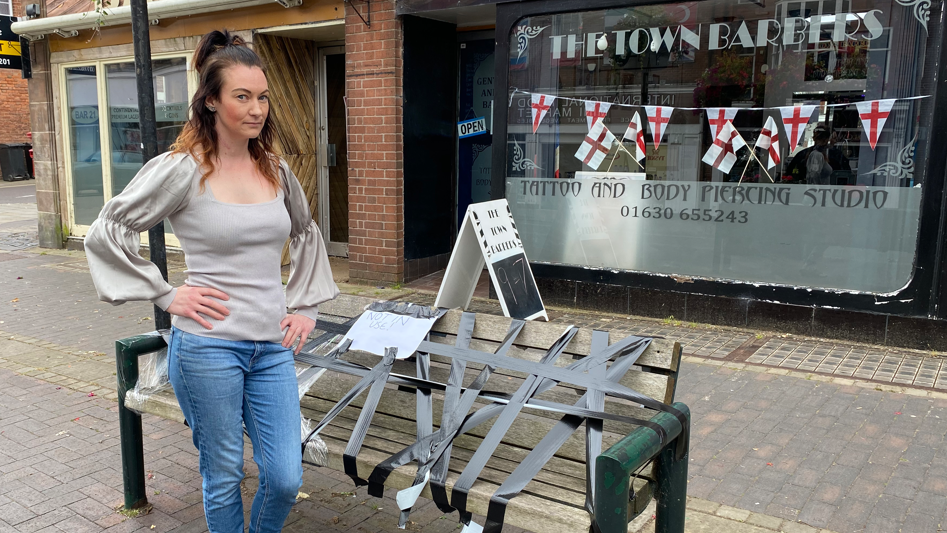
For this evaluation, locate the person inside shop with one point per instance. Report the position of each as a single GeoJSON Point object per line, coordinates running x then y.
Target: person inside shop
{"type": "Point", "coordinates": [232, 202]}
{"type": "Point", "coordinates": [820, 164]}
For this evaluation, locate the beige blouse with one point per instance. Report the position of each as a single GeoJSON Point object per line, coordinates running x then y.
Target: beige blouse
{"type": "Point", "coordinates": [231, 247]}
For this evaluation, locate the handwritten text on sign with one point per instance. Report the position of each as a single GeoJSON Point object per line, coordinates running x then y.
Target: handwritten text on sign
{"type": "Point", "coordinates": [374, 331]}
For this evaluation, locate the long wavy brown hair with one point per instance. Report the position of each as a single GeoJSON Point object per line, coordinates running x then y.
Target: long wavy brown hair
{"type": "Point", "coordinates": [218, 51]}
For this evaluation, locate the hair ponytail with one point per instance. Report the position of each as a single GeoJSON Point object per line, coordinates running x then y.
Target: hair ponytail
{"type": "Point", "coordinates": [216, 52]}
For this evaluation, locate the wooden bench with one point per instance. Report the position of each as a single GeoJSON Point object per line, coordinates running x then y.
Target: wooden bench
{"type": "Point", "coordinates": [555, 499]}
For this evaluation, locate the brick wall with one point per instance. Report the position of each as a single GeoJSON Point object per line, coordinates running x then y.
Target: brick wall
{"type": "Point", "coordinates": [376, 191]}
{"type": "Point", "coordinates": [15, 111]}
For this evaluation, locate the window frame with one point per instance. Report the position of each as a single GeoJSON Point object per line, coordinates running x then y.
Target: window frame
{"type": "Point", "coordinates": [925, 294]}
{"type": "Point", "coordinates": [105, 133]}
{"type": "Point", "coordinates": [9, 4]}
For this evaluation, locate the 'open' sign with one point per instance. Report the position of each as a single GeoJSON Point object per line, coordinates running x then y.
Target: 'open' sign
{"type": "Point", "coordinates": [470, 128]}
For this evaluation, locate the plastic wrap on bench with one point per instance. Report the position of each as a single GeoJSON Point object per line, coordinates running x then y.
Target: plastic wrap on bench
{"type": "Point", "coordinates": [152, 378]}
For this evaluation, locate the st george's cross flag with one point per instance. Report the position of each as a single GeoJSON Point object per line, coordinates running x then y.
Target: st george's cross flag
{"type": "Point", "coordinates": [596, 145]}
{"type": "Point", "coordinates": [718, 117]}
{"type": "Point", "coordinates": [873, 115]}
{"type": "Point", "coordinates": [722, 153]}
{"type": "Point", "coordinates": [769, 141]}
{"type": "Point", "coordinates": [658, 118]}
{"type": "Point", "coordinates": [795, 118]}
{"type": "Point", "coordinates": [595, 112]}
{"type": "Point", "coordinates": [635, 134]}
{"type": "Point", "coordinates": [540, 104]}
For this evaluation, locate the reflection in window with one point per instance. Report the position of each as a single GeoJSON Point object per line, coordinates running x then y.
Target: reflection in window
{"type": "Point", "coordinates": [752, 57]}
{"type": "Point", "coordinates": [85, 152]}
{"type": "Point", "coordinates": [170, 81]}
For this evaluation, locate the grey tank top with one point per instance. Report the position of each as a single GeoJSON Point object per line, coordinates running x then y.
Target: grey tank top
{"type": "Point", "coordinates": [235, 248]}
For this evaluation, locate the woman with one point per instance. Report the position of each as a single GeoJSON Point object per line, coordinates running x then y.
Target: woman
{"type": "Point", "coordinates": [232, 204]}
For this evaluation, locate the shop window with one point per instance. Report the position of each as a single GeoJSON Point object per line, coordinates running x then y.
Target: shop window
{"type": "Point", "coordinates": [105, 148]}
{"type": "Point", "coordinates": [85, 149]}
{"type": "Point", "coordinates": [840, 208]}
{"type": "Point", "coordinates": [171, 102]}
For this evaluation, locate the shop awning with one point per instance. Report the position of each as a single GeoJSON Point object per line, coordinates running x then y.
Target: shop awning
{"type": "Point", "coordinates": [69, 25]}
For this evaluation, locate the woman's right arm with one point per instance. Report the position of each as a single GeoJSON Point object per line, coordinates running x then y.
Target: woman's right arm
{"type": "Point", "coordinates": [160, 188]}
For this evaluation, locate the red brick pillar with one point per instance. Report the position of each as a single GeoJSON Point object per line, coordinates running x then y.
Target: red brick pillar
{"type": "Point", "coordinates": [375, 148]}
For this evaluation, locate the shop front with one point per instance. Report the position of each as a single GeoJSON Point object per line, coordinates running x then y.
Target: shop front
{"type": "Point", "coordinates": [744, 163]}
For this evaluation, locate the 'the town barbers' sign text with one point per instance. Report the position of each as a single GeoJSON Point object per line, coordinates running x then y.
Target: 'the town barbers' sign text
{"type": "Point", "coordinates": [789, 31]}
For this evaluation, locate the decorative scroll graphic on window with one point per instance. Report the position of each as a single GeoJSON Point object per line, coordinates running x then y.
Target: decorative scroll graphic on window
{"type": "Point", "coordinates": [520, 162]}
{"type": "Point", "coordinates": [432, 449]}
{"type": "Point", "coordinates": [922, 10]}
{"type": "Point", "coordinates": [524, 34]}
{"type": "Point", "coordinates": [903, 167]}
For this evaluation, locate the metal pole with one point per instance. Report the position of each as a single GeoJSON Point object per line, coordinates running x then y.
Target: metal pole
{"type": "Point", "coordinates": [149, 134]}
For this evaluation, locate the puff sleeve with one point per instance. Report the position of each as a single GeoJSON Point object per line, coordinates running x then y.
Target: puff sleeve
{"type": "Point", "coordinates": [310, 276]}
{"type": "Point", "coordinates": [161, 188]}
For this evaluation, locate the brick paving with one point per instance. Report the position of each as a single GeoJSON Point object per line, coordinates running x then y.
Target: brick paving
{"type": "Point", "coordinates": [790, 434]}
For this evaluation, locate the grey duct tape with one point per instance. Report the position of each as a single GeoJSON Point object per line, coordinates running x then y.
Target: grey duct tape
{"type": "Point", "coordinates": [406, 309]}
{"type": "Point", "coordinates": [432, 450]}
{"type": "Point", "coordinates": [441, 441]}
{"type": "Point", "coordinates": [557, 436]}
{"type": "Point", "coordinates": [502, 425]}
{"type": "Point", "coordinates": [379, 377]}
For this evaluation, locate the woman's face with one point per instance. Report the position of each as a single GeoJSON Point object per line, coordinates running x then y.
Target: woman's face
{"type": "Point", "coordinates": [243, 103]}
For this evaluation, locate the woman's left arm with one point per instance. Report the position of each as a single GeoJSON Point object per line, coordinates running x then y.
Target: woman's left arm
{"type": "Point", "coordinates": [310, 276]}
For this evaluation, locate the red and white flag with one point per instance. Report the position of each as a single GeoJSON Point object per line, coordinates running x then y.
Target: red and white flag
{"type": "Point", "coordinates": [795, 119]}
{"type": "Point", "coordinates": [541, 103]}
{"type": "Point", "coordinates": [769, 141]}
{"type": "Point", "coordinates": [595, 112]}
{"type": "Point", "coordinates": [722, 153]}
{"type": "Point", "coordinates": [717, 117]}
{"type": "Point", "coordinates": [596, 145]}
{"type": "Point", "coordinates": [658, 117]}
{"type": "Point", "coordinates": [635, 133]}
{"type": "Point", "coordinates": [873, 115]}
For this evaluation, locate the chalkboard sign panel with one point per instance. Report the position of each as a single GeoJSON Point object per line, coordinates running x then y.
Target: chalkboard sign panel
{"type": "Point", "coordinates": [517, 286]}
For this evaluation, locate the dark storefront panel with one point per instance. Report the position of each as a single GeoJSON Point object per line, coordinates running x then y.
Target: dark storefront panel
{"type": "Point", "coordinates": [842, 224]}
{"type": "Point", "coordinates": [430, 81]}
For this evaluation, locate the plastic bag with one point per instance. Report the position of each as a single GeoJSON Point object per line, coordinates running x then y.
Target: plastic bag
{"type": "Point", "coordinates": [315, 451]}
{"type": "Point", "coordinates": [152, 378]}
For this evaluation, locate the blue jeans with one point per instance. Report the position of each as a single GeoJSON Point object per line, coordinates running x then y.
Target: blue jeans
{"type": "Point", "coordinates": [220, 386]}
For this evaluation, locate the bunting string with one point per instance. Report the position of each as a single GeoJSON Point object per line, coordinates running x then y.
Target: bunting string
{"type": "Point", "coordinates": [581, 101]}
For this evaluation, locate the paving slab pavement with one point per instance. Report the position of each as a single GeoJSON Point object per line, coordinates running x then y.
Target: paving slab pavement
{"type": "Point", "coordinates": [775, 446]}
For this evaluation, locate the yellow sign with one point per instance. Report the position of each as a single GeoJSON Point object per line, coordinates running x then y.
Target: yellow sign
{"type": "Point", "coordinates": [10, 48]}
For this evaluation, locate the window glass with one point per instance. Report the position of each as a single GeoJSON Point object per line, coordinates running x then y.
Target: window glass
{"type": "Point", "coordinates": [840, 85]}
{"type": "Point", "coordinates": [85, 151]}
{"type": "Point", "coordinates": [170, 83]}
{"type": "Point", "coordinates": [6, 7]}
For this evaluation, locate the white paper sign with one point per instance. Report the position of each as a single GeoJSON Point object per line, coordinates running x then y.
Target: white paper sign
{"type": "Point", "coordinates": [376, 330]}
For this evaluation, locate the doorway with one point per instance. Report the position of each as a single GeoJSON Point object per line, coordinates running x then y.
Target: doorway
{"type": "Point", "coordinates": [333, 163]}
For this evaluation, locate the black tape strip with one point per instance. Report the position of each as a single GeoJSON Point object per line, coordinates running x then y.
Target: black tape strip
{"type": "Point", "coordinates": [502, 425]}
{"type": "Point", "coordinates": [379, 378]}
